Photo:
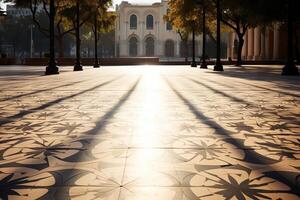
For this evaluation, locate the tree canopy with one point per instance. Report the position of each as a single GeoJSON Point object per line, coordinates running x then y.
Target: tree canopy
{"type": "Point", "coordinates": [237, 15]}
{"type": "Point", "coordinates": [185, 15]}
{"type": "Point", "coordinates": [64, 16]}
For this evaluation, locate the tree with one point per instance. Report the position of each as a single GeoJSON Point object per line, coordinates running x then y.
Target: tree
{"type": "Point", "coordinates": [2, 13]}
{"type": "Point", "coordinates": [283, 12]}
{"type": "Point", "coordinates": [101, 22]}
{"type": "Point", "coordinates": [64, 16]}
{"type": "Point", "coordinates": [184, 15]}
{"type": "Point", "coordinates": [239, 19]}
{"type": "Point", "coordinates": [183, 12]}
{"type": "Point", "coordinates": [19, 40]}
{"type": "Point", "coordinates": [218, 66]}
{"type": "Point", "coordinates": [278, 13]}
{"type": "Point", "coordinates": [41, 7]}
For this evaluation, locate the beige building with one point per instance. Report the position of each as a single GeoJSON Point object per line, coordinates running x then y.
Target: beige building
{"type": "Point", "coordinates": [269, 43]}
{"type": "Point", "coordinates": [142, 31]}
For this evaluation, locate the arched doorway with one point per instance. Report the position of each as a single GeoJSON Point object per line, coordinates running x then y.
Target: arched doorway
{"type": "Point", "coordinates": [169, 48]}
{"type": "Point", "coordinates": [133, 46]}
{"type": "Point", "coordinates": [149, 47]}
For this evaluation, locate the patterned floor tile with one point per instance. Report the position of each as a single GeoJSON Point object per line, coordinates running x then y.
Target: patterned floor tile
{"type": "Point", "coordinates": [149, 132]}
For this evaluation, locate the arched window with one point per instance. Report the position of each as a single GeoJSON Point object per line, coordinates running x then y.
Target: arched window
{"type": "Point", "coordinates": [133, 46]}
{"type": "Point", "coordinates": [169, 24]}
{"type": "Point", "coordinates": [169, 48]}
{"type": "Point", "coordinates": [133, 22]}
{"type": "Point", "coordinates": [149, 46]}
{"type": "Point", "coordinates": [149, 22]}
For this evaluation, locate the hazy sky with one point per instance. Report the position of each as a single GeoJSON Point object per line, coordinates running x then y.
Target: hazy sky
{"type": "Point", "coordinates": [119, 1]}
{"type": "Point", "coordinates": [1, 4]}
{"type": "Point", "coordinates": [137, 1]}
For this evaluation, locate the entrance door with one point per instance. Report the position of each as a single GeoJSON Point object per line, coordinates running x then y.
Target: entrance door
{"type": "Point", "coordinates": [169, 48]}
{"type": "Point", "coordinates": [133, 46]}
{"type": "Point", "coordinates": [149, 47]}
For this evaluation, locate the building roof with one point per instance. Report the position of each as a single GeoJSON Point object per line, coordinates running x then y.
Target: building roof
{"type": "Point", "coordinates": [127, 4]}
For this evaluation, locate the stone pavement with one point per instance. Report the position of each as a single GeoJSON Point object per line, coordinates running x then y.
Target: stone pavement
{"type": "Point", "coordinates": [149, 133]}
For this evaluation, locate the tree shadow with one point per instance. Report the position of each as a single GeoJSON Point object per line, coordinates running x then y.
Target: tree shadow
{"type": "Point", "coordinates": [256, 86]}
{"type": "Point", "coordinates": [254, 73]}
{"type": "Point", "coordinates": [72, 175]}
{"type": "Point", "coordinates": [8, 72]}
{"type": "Point", "coordinates": [40, 91]}
{"type": "Point", "coordinates": [65, 177]}
{"type": "Point", "coordinates": [233, 98]}
{"type": "Point", "coordinates": [251, 157]}
{"type": "Point", "coordinates": [54, 102]}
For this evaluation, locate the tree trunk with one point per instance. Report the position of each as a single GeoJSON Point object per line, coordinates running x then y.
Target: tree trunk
{"type": "Point", "coordinates": [210, 35]}
{"type": "Point", "coordinates": [186, 51]}
{"type": "Point", "coordinates": [239, 61]}
{"type": "Point", "coordinates": [296, 44]}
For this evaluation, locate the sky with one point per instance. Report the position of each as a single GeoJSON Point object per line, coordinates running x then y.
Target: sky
{"type": "Point", "coordinates": [2, 5]}
{"type": "Point", "coordinates": [137, 1]}
{"type": "Point", "coordinates": [119, 1]}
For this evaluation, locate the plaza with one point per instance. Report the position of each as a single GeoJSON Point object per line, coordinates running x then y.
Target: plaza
{"type": "Point", "coordinates": [149, 132]}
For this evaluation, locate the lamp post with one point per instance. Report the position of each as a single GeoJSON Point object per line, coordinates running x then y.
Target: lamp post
{"type": "Point", "coordinates": [202, 3]}
{"type": "Point", "coordinates": [218, 66]}
{"type": "Point", "coordinates": [96, 65]}
{"type": "Point", "coordinates": [290, 68]}
{"type": "Point", "coordinates": [2, 15]}
{"type": "Point", "coordinates": [78, 66]}
{"type": "Point", "coordinates": [52, 66]}
{"type": "Point", "coordinates": [203, 59]}
{"type": "Point", "coordinates": [193, 64]}
{"type": "Point", "coordinates": [31, 40]}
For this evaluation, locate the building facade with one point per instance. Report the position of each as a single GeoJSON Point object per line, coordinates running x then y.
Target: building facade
{"type": "Point", "coordinates": [14, 11]}
{"type": "Point", "coordinates": [142, 31]}
{"type": "Point", "coordinates": [261, 43]}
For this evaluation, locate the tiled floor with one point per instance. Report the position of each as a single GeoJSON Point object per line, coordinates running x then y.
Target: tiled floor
{"type": "Point", "coordinates": [149, 133]}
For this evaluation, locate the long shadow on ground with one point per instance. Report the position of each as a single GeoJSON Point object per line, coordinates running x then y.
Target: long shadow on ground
{"type": "Point", "coordinates": [251, 157]}
{"type": "Point", "coordinates": [67, 176]}
{"type": "Point", "coordinates": [51, 103]}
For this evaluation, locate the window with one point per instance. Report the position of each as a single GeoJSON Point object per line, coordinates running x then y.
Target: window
{"type": "Point", "coordinates": [133, 22]}
{"type": "Point", "coordinates": [168, 24]}
{"type": "Point", "coordinates": [149, 22]}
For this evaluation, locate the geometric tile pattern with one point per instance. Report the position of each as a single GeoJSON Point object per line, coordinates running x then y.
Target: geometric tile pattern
{"type": "Point", "coordinates": [149, 132]}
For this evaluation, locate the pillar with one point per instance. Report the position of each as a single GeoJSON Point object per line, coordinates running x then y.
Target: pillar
{"type": "Point", "coordinates": [140, 47]}
{"type": "Point", "coordinates": [262, 44]}
{"type": "Point", "coordinates": [257, 41]}
{"type": "Point", "coordinates": [250, 43]}
{"type": "Point", "coordinates": [159, 45]}
{"type": "Point", "coordinates": [276, 43]}
{"type": "Point", "coordinates": [245, 47]}
{"type": "Point", "coordinates": [268, 46]}
{"type": "Point", "coordinates": [230, 45]}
